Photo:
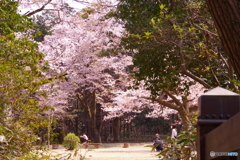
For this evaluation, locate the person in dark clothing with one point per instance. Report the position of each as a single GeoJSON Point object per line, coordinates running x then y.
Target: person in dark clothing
{"type": "Point", "coordinates": [157, 142]}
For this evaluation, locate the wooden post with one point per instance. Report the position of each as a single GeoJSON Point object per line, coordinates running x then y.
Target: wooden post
{"type": "Point", "coordinates": [215, 107]}
{"type": "Point", "coordinates": [224, 138]}
{"type": "Point", "coordinates": [126, 145]}
{"type": "Point", "coordinates": [50, 119]}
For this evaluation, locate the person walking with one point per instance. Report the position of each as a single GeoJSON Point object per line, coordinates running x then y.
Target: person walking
{"type": "Point", "coordinates": [174, 131]}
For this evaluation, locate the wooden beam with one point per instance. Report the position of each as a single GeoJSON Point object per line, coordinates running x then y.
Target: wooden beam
{"type": "Point", "coordinates": [225, 138]}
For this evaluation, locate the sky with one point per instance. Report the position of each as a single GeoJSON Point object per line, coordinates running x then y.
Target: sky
{"type": "Point", "coordinates": [28, 6]}
{"type": "Point", "coordinates": [77, 5]}
{"type": "Point", "coordinates": [31, 5]}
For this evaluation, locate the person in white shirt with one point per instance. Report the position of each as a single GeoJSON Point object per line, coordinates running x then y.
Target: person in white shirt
{"type": "Point", "coordinates": [84, 138]}
{"type": "Point", "coordinates": [174, 131]}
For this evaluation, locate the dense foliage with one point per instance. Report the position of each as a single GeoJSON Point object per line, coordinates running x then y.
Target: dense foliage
{"type": "Point", "coordinates": [175, 47]}
{"type": "Point", "coordinates": [21, 75]}
{"type": "Point", "coordinates": [80, 48]}
{"type": "Point", "coordinates": [43, 25]}
{"type": "Point", "coordinates": [170, 40]}
{"type": "Point", "coordinates": [176, 52]}
{"type": "Point", "coordinates": [184, 146]}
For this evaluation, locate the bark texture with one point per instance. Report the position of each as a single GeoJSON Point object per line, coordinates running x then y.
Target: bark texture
{"type": "Point", "coordinates": [116, 129]}
{"type": "Point", "coordinates": [226, 16]}
{"type": "Point", "coordinates": [88, 102]}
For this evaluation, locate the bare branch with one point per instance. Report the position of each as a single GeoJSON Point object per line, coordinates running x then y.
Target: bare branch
{"type": "Point", "coordinates": [189, 74]}
{"type": "Point", "coordinates": [224, 60]}
{"type": "Point", "coordinates": [231, 77]}
{"type": "Point", "coordinates": [164, 103]}
{"type": "Point", "coordinates": [37, 10]}
{"type": "Point", "coordinates": [172, 4]}
{"type": "Point", "coordinates": [85, 2]}
{"type": "Point", "coordinates": [175, 100]}
{"type": "Point", "coordinates": [213, 73]}
{"type": "Point", "coordinates": [205, 30]}
{"type": "Point", "coordinates": [81, 1]}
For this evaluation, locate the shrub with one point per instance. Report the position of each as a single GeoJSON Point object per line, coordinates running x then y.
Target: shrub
{"type": "Point", "coordinates": [70, 141]}
{"type": "Point", "coordinates": [183, 147]}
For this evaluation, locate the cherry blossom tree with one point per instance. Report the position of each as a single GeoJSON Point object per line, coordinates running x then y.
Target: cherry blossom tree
{"type": "Point", "coordinates": [134, 101]}
{"type": "Point", "coordinates": [74, 49]}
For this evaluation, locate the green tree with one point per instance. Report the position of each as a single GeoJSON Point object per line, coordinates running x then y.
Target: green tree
{"type": "Point", "coordinates": [172, 42]}
{"type": "Point", "coordinates": [43, 25]}
{"type": "Point", "coordinates": [21, 68]}
{"type": "Point", "coordinates": [45, 21]}
{"type": "Point", "coordinates": [185, 143]}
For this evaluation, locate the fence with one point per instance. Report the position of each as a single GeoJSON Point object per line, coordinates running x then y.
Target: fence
{"type": "Point", "coordinates": [137, 132]}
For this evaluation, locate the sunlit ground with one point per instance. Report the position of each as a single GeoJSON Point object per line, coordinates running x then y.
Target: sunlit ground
{"type": "Point", "coordinates": [116, 151]}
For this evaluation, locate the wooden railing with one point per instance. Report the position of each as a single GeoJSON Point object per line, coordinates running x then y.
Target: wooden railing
{"type": "Point", "coordinates": [218, 127]}
{"type": "Point", "coordinates": [225, 138]}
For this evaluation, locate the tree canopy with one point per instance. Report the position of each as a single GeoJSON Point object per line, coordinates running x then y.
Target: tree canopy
{"type": "Point", "coordinates": [21, 75]}
{"type": "Point", "coordinates": [175, 46]}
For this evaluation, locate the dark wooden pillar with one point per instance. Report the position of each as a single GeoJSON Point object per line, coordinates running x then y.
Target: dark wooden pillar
{"type": "Point", "coordinates": [215, 107]}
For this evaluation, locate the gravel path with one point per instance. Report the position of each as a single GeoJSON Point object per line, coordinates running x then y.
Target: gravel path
{"type": "Point", "coordinates": [131, 153]}
{"type": "Point", "coordinates": [112, 152]}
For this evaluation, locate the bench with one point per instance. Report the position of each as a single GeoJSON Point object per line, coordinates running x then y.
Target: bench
{"type": "Point", "coordinates": [93, 144]}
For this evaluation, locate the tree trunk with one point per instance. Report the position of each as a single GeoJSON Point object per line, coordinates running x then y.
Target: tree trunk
{"type": "Point", "coordinates": [106, 131]}
{"type": "Point", "coordinates": [96, 138]}
{"type": "Point", "coordinates": [226, 16]}
{"type": "Point", "coordinates": [92, 125]}
{"type": "Point", "coordinates": [184, 117]}
{"type": "Point", "coordinates": [88, 102]}
{"type": "Point", "coordinates": [116, 129]}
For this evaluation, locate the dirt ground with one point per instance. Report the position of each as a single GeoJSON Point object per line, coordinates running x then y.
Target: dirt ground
{"type": "Point", "coordinates": [136, 151]}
